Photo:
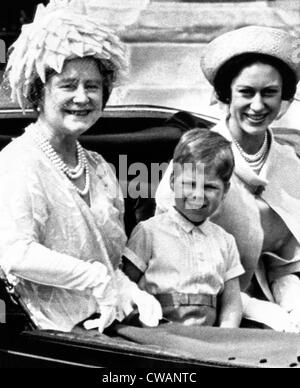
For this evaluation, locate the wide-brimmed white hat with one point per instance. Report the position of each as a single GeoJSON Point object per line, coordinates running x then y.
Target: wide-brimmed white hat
{"type": "Point", "coordinates": [252, 39]}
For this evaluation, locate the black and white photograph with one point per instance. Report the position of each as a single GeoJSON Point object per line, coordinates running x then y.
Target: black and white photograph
{"type": "Point", "coordinates": [150, 187]}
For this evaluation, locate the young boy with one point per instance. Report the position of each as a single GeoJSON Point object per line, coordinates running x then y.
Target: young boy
{"type": "Point", "coordinates": [190, 264]}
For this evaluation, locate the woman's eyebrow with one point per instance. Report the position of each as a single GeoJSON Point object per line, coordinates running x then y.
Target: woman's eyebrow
{"type": "Point", "coordinates": [74, 79]}
{"type": "Point", "coordinates": [275, 85]}
{"type": "Point", "coordinates": [243, 86]}
{"type": "Point", "coordinates": [70, 79]}
{"type": "Point", "coordinates": [96, 80]}
{"type": "Point", "coordinates": [272, 86]}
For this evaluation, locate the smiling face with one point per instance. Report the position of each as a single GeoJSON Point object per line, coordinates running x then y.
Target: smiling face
{"type": "Point", "coordinates": [256, 96]}
{"type": "Point", "coordinates": [197, 194]}
{"type": "Point", "coordinates": [73, 99]}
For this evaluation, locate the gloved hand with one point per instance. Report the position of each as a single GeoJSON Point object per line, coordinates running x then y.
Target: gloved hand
{"type": "Point", "coordinates": [107, 299]}
{"type": "Point", "coordinates": [131, 296]}
{"type": "Point", "coordinates": [268, 313]}
{"type": "Point", "coordinates": [286, 291]}
{"type": "Point", "coordinates": [295, 317]}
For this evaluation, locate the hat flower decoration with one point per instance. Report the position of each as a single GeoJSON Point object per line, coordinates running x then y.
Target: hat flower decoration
{"type": "Point", "coordinates": [60, 31]}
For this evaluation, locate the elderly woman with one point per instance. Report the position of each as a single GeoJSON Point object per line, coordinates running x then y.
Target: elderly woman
{"type": "Point", "coordinates": [254, 72]}
{"type": "Point", "coordinates": [61, 224]}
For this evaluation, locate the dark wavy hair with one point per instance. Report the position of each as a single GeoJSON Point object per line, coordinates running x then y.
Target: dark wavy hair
{"type": "Point", "coordinates": [232, 68]}
{"type": "Point", "coordinates": [36, 89]}
{"type": "Point", "coordinates": [207, 147]}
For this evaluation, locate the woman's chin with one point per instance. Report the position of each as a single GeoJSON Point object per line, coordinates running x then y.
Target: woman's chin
{"type": "Point", "coordinates": [255, 128]}
{"type": "Point", "coordinates": [78, 126]}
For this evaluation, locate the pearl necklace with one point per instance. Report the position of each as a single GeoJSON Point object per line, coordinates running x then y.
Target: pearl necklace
{"type": "Point", "coordinates": [257, 160]}
{"type": "Point", "coordinates": [71, 173]}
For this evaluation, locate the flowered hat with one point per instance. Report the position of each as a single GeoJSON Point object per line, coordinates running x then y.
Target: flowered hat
{"type": "Point", "coordinates": [252, 39]}
{"type": "Point", "coordinates": [60, 31]}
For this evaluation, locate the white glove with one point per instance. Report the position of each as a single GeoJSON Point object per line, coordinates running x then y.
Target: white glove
{"type": "Point", "coordinates": [268, 313]}
{"type": "Point", "coordinates": [130, 296]}
{"type": "Point", "coordinates": [286, 291]}
{"type": "Point", "coordinates": [107, 299]}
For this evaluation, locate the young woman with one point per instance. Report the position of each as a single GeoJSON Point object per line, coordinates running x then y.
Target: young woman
{"type": "Point", "coordinates": [253, 71]}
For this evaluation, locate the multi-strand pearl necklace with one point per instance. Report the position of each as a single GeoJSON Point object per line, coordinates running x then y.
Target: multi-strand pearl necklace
{"type": "Point", "coordinates": [71, 173]}
{"type": "Point", "coordinates": [257, 160]}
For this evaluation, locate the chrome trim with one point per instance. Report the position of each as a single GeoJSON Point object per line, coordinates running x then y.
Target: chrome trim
{"type": "Point", "coordinates": [57, 360]}
{"type": "Point", "coordinates": [111, 110]}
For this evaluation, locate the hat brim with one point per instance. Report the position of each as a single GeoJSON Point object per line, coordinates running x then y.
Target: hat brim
{"type": "Point", "coordinates": [252, 39]}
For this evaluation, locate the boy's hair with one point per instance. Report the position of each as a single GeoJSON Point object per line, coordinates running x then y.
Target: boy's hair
{"type": "Point", "coordinates": [207, 147]}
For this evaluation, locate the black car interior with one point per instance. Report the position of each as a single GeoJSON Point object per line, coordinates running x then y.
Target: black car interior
{"type": "Point", "coordinates": [144, 136]}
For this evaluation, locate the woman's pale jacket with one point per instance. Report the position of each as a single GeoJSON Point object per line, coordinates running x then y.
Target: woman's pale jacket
{"type": "Point", "coordinates": [53, 246]}
{"type": "Point", "coordinates": [278, 184]}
